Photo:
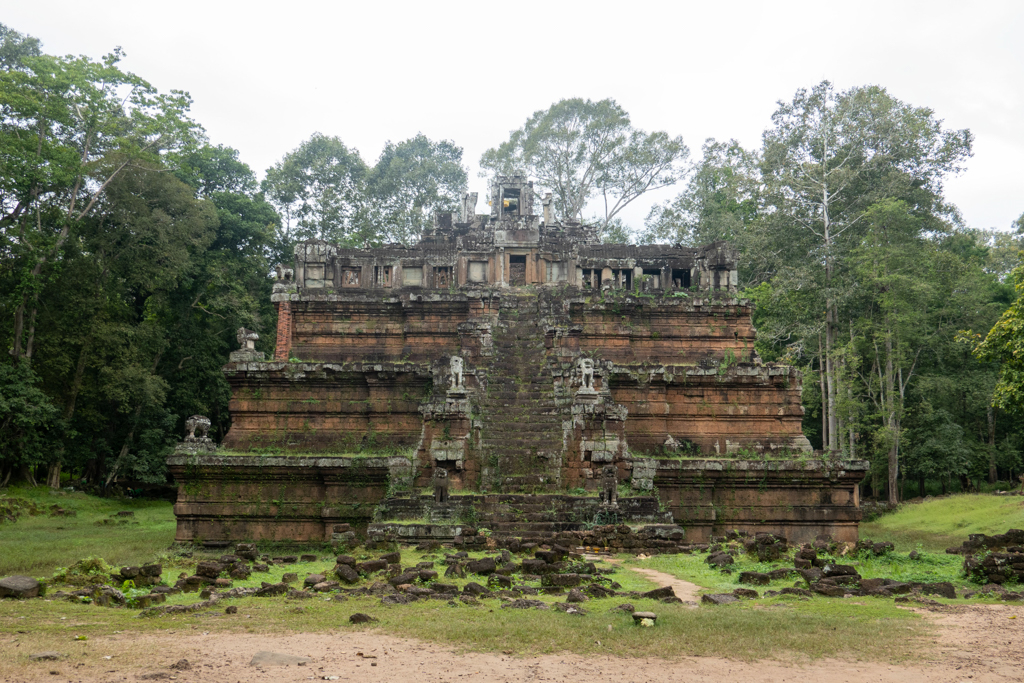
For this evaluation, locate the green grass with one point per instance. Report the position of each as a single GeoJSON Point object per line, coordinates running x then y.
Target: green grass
{"type": "Point", "coordinates": [783, 628]}
{"type": "Point", "coordinates": [38, 545]}
{"type": "Point", "coordinates": [945, 522]}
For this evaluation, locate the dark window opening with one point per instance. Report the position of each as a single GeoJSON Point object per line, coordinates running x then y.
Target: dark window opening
{"type": "Point", "coordinates": [681, 278]}
{"type": "Point", "coordinates": [588, 456]}
{"type": "Point", "coordinates": [655, 277]}
{"type": "Point", "coordinates": [589, 275]}
{"type": "Point", "coordinates": [510, 201]}
{"type": "Point", "coordinates": [621, 279]}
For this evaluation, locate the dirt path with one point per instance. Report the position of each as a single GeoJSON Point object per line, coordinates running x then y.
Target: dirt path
{"type": "Point", "coordinates": [684, 590]}
{"type": "Point", "coordinates": [977, 644]}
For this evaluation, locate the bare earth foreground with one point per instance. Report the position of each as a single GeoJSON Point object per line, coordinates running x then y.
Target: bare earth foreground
{"type": "Point", "coordinates": [976, 643]}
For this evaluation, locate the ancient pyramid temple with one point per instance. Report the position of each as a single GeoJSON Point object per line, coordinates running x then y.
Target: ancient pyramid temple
{"type": "Point", "coordinates": [511, 370]}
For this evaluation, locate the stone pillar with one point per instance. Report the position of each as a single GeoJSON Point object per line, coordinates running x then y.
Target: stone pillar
{"type": "Point", "coordinates": [282, 350]}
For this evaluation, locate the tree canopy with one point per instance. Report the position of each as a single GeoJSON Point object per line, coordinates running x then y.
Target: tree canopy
{"type": "Point", "coordinates": [582, 150]}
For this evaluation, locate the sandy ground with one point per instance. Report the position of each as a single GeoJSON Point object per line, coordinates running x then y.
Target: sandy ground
{"type": "Point", "coordinates": [976, 644]}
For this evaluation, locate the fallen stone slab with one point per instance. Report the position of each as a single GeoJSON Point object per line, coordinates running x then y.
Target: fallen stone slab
{"type": "Point", "coordinates": [48, 656]}
{"type": "Point", "coordinates": [638, 617]}
{"type": "Point", "coordinates": [19, 587]}
{"type": "Point", "coordinates": [523, 603]}
{"type": "Point", "coordinates": [267, 658]}
{"type": "Point", "coordinates": [715, 599]}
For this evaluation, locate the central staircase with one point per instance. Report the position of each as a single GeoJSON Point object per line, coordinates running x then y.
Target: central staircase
{"type": "Point", "coordinates": [522, 439]}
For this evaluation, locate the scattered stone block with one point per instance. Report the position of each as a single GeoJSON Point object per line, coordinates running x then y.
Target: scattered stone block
{"type": "Point", "coordinates": [639, 616]}
{"type": "Point", "coordinates": [360, 618]}
{"type": "Point", "coordinates": [346, 573]}
{"type": "Point", "coordinates": [659, 593]}
{"type": "Point", "coordinates": [208, 569]}
{"type": "Point", "coordinates": [19, 587]}
{"type": "Point", "coordinates": [482, 567]}
{"type": "Point", "coordinates": [715, 599]}
{"type": "Point", "coordinates": [755, 578]}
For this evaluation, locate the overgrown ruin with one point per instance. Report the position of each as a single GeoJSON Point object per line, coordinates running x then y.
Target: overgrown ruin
{"type": "Point", "coordinates": [510, 371]}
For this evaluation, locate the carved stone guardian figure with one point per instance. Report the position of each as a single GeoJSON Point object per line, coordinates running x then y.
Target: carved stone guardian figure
{"type": "Point", "coordinates": [247, 341]}
{"type": "Point", "coordinates": [609, 486]}
{"type": "Point", "coordinates": [458, 380]}
{"type": "Point", "coordinates": [586, 369]}
{"type": "Point", "coordinates": [440, 486]}
{"type": "Point", "coordinates": [197, 423]}
{"type": "Point", "coordinates": [197, 439]}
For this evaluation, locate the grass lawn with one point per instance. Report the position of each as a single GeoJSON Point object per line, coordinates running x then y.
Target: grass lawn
{"type": "Point", "coordinates": [945, 522]}
{"type": "Point", "coordinates": [782, 628]}
{"type": "Point", "coordinates": [36, 545]}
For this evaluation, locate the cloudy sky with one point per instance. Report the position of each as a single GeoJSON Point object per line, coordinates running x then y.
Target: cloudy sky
{"type": "Point", "coordinates": [264, 76]}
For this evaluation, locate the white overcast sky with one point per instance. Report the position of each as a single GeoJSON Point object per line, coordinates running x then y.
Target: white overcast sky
{"type": "Point", "coordinates": [266, 75]}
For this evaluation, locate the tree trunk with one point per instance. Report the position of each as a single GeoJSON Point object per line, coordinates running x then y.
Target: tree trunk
{"type": "Point", "coordinates": [993, 474]}
{"type": "Point", "coordinates": [824, 397]}
{"type": "Point", "coordinates": [53, 475]}
{"type": "Point", "coordinates": [890, 391]}
{"type": "Point", "coordinates": [833, 434]}
{"type": "Point", "coordinates": [27, 475]}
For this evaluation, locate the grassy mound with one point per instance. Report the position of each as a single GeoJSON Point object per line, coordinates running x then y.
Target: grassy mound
{"type": "Point", "coordinates": [945, 522]}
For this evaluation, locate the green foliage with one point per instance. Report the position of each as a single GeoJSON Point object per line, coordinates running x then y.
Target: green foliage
{"type": "Point", "coordinates": [719, 201]}
{"type": "Point", "coordinates": [579, 149]}
{"type": "Point", "coordinates": [326, 191]}
{"type": "Point", "coordinates": [1004, 344]}
{"type": "Point", "coordinates": [28, 418]}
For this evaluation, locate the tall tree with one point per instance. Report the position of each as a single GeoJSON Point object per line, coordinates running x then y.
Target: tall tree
{"type": "Point", "coordinates": [411, 181]}
{"type": "Point", "coordinates": [69, 127]}
{"type": "Point", "coordinates": [320, 190]}
{"type": "Point", "coordinates": [580, 150]}
{"type": "Point", "coordinates": [828, 157]}
{"type": "Point", "coordinates": [719, 201]}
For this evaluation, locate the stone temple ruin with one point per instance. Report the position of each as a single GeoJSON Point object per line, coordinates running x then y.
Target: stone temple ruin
{"type": "Point", "coordinates": [510, 371]}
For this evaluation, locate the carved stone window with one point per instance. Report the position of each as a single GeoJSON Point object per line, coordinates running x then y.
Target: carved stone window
{"type": "Point", "coordinates": [444, 277]}
{"type": "Point", "coordinates": [350, 277]}
{"type": "Point", "coordinates": [382, 276]}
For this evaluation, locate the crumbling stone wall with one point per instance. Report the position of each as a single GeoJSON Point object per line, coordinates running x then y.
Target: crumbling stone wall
{"type": "Point", "coordinates": [236, 498]}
